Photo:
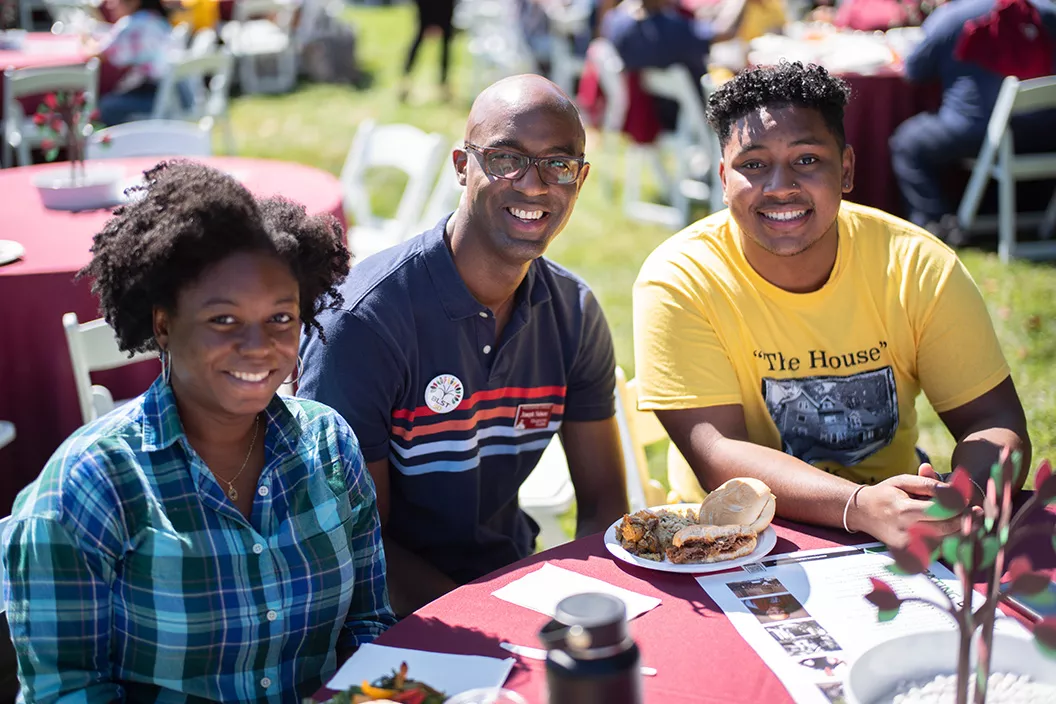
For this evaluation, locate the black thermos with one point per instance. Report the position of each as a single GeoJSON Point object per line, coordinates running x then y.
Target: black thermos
{"type": "Point", "coordinates": [591, 658]}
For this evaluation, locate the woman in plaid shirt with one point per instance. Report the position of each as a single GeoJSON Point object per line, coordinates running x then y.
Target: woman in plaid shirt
{"type": "Point", "coordinates": [210, 540]}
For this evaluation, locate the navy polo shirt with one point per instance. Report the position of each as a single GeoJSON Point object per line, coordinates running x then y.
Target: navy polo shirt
{"type": "Point", "coordinates": [412, 363]}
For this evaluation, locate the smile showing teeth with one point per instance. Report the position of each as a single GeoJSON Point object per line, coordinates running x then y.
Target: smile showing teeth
{"type": "Point", "coordinates": [253, 378]}
{"type": "Point", "coordinates": [786, 215]}
{"type": "Point", "coordinates": [526, 214]}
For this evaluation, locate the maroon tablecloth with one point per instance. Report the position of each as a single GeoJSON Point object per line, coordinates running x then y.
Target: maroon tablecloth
{"type": "Point", "coordinates": [699, 656]}
{"type": "Point", "coordinates": [37, 391]}
{"type": "Point", "coordinates": [878, 105]}
{"type": "Point", "coordinates": [42, 50]}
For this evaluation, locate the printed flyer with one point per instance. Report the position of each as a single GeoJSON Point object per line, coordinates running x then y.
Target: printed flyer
{"type": "Point", "coordinates": [806, 615]}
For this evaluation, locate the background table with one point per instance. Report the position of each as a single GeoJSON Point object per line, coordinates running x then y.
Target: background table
{"type": "Point", "coordinates": [37, 390]}
{"type": "Point", "coordinates": [699, 656]}
{"type": "Point", "coordinates": [42, 49]}
{"type": "Point", "coordinates": [879, 104]}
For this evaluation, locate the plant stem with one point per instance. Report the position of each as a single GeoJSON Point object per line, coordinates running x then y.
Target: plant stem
{"type": "Point", "coordinates": [993, 586]}
{"type": "Point", "coordinates": [964, 626]}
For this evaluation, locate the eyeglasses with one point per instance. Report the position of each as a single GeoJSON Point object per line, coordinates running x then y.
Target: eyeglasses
{"type": "Point", "coordinates": [555, 170]}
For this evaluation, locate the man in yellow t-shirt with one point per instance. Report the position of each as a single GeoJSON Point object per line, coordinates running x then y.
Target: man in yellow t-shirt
{"type": "Point", "coordinates": [788, 337]}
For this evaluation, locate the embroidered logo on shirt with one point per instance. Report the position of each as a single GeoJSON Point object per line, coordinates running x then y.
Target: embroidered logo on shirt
{"type": "Point", "coordinates": [444, 393]}
{"type": "Point", "coordinates": [533, 416]}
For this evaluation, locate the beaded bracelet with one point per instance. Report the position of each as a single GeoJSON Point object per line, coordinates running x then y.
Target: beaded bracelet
{"type": "Point", "coordinates": [847, 506]}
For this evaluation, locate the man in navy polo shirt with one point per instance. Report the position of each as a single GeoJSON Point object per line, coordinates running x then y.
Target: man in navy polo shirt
{"type": "Point", "coordinates": [461, 352]}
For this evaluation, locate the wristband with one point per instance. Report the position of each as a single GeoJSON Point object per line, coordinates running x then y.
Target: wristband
{"type": "Point", "coordinates": [847, 506]}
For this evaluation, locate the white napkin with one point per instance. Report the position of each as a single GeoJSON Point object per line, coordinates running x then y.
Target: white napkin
{"type": "Point", "coordinates": [451, 674]}
{"type": "Point", "coordinates": [542, 589]}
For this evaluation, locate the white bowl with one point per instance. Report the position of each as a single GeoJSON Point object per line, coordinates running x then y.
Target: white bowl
{"type": "Point", "coordinates": [922, 656]}
{"type": "Point", "coordinates": [98, 187]}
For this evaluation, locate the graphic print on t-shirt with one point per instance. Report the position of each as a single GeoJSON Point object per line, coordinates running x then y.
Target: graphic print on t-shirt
{"type": "Point", "coordinates": [841, 419]}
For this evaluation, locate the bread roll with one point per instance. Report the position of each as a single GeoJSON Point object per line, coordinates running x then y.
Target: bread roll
{"type": "Point", "coordinates": [744, 501]}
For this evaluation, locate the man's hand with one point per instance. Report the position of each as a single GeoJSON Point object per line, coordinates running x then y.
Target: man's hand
{"type": "Point", "coordinates": [887, 510]}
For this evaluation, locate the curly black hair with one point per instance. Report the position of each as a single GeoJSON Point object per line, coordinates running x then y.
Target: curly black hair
{"type": "Point", "coordinates": [782, 85]}
{"type": "Point", "coordinates": [189, 216]}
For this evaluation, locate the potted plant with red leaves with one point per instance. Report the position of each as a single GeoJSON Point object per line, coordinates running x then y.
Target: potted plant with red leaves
{"type": "Point", "coordinates": [65, 123]}
{"type": "Point", "coordinates": [972, 662]}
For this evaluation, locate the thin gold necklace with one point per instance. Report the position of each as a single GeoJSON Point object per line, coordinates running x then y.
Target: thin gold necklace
{"type": "Point", "coordinates": [232, 492]}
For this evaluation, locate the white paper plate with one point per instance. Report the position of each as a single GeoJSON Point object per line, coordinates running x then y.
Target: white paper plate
{"type": "Point", "coordinates": [765, 543]}
{"type": "Point", "coordinates": [10, 251]}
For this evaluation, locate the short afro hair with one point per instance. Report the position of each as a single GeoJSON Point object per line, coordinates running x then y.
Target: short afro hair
{"type": "Point", "coordinates": [779, 86]}
{"type": "Point", "coordinates": [189, 216]}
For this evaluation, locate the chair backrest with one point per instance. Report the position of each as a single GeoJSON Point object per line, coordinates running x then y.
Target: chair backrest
{"type": "Point", "coordinates": [1017, 97]}
{"type": "Point", "coordinates": [603, 55]}
{"type": "Point", "coordinates": [446, 195]}
{"type": "Point", "coordinates": [152, 138]}
{"type": "Point", "coordinates": [208, 79]}
{"type": "Point", "coordinates": [19, 83]}
{"type": "Point", "coordinates": [203, 42]}
{"type": "Point", "coordinates": [276, 11]}
{"type": "Point", "coordinates": [180, 37]}
{"type": "Point", "coordinates": [409, 149]}
{"type": "Point", "coordinates": [676, 83]}
{"type": "Point", "coordinates": [638, 430]}
{"type": "Point", "coordinates": [93, 347]}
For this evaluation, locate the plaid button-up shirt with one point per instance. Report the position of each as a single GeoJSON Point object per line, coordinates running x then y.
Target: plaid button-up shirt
{"type": "Point", "coordinates": [131, 577]}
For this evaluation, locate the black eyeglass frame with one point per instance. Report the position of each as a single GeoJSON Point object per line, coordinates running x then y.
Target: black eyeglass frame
{"type": "Point", "coordinates": [531, 161]}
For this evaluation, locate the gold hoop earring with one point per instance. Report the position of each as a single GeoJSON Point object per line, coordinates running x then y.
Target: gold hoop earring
{"type": "Point", "coordinates": [296, 369]}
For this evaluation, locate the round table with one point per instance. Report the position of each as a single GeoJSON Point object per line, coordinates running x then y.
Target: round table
{"type": "Point", "coordinates": [37, 389]}
{"type": "Point", "coordinates": [879, 104]}
{"type": "Point", "coordinates": [699, 656]}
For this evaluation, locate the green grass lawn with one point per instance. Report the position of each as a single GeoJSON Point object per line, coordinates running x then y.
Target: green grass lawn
{"type": "Point", "coordinates": [315, 125]}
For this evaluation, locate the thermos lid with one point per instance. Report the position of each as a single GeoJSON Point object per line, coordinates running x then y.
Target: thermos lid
{"type": "Point", "coordinates": [596, 623]}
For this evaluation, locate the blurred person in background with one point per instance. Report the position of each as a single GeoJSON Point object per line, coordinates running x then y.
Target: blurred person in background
{"type": "Point", "coordinates": [657, 34]}
{"type": "Point", "coordinates": [138, 42]}
{"type": "Point", "coordinates": [432, 15]}
{"type": "Point", "coordinates": [962, 50]}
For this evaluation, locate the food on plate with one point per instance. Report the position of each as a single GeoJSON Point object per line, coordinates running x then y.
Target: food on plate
{"type": "Point", "coordinates": [739, 502]}
{"type": "Point", "coordinates": [648, 533]}
{"type": "Point", "coordinates": [699, 543]}
{"type": "Point", "coordinates": [397, 688]}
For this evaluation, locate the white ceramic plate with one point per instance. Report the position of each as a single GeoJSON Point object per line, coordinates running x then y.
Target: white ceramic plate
{"type": "Point", "coordinates": [10, 251]}
{"type": "Point", "coordinates": [765, 543]}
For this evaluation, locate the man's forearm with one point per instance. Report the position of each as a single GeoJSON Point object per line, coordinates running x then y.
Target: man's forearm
{"type": "Point", "coordinates": [412, 581]}
{"type": "Point", "coordinates": [978, 451]}
{"type": "Point", "coordinates": [596, 518]}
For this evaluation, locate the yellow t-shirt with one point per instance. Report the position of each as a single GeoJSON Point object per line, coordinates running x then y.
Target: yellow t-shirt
{"type": "Point", "coordinates": [830, 376]}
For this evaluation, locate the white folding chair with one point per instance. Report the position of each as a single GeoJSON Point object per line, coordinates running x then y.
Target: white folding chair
{"type": "Point", "coordinates": [20, 135]}
{"type": "Point", "coordinates": [416, 153]}
{"type": "Point", "coordinates": [208, 79]}
{"type": "Point", "coordinates": [998, 160]}
{"type": "Point", "coordinates": [152, 138]}
{"type": "Point", "coordinates": [93, 348]}
{"type": "Point", "coordinates": [496, 44]}
{"type": "Point", "coordinates": [689, 146]}
{"type": "Point", "coordinates": [446, 195]}
{"type": "Point", "coordinates": [260, 33]}
{"type": "Point", "coordinates": [547, 494]}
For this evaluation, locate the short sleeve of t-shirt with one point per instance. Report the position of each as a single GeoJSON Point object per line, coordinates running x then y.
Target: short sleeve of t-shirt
{"type": "Point", "coordinates": [959, 357]}
{"type": "Point", "coordinates": [592, 379]}
{"type": "Point", "coordinates": [356, 373]}
{"type": "Point", "coordinates": [680, 361]}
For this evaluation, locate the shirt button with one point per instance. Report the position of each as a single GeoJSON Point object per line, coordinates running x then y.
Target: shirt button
{"type": "Point", "coordinates": [272, 615]}
{"type": "Point", "coordinates": [257, 549]}
{"type": "Point", "coordinates": [487, 349]}
{"type": "Point", "coordinates": [265, 682]}
{"type": "Point", "coordinates": [263, 491]}
{"type": "Point", "coordinates": [483, 314]}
